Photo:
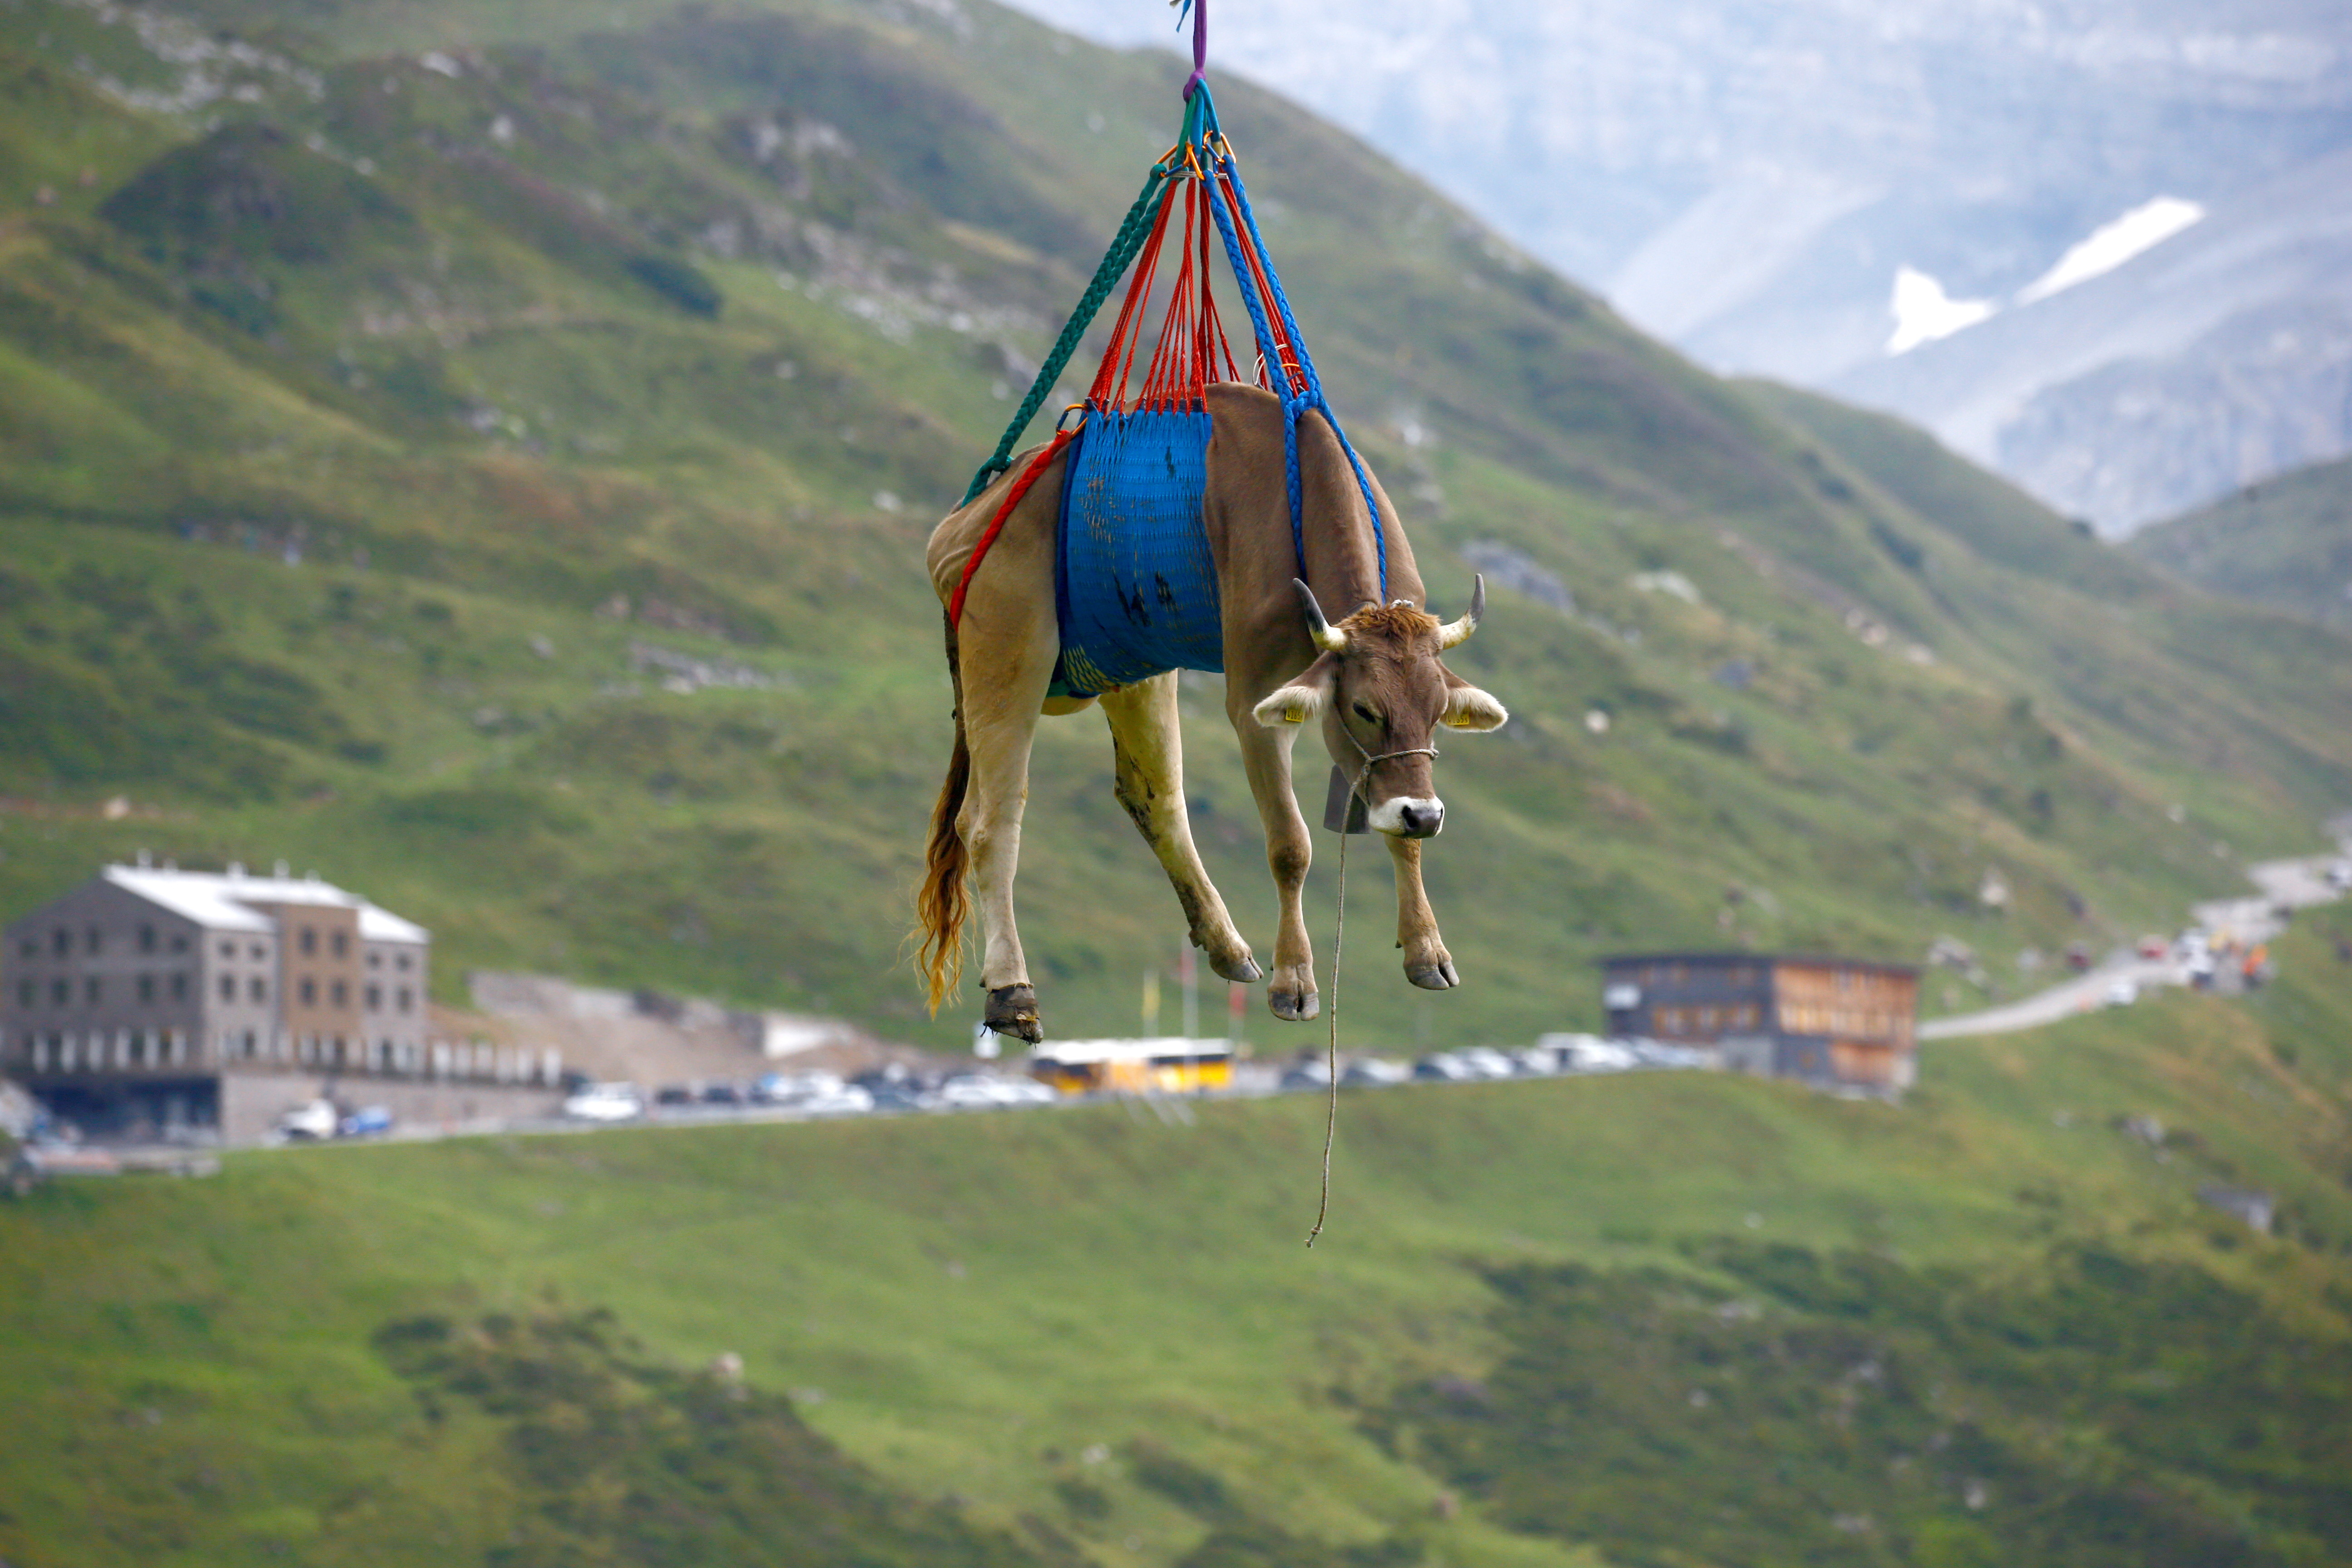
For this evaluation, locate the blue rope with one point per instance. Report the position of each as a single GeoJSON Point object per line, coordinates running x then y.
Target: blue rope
{"type": "Point", "coordinates": [1311, 395]}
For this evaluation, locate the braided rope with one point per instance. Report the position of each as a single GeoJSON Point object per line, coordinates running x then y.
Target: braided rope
{"type": "Point", "coordinates": [1301, 388]}
{"type": "Point", "coordinates": [1129, 239]}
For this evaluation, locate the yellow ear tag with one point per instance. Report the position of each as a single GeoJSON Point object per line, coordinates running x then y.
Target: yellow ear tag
{"type": "Point", "coordinates": [1294, 714]}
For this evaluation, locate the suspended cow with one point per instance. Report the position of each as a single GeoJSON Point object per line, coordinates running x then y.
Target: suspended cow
{"type": "Point", "coordinates": [1372, 682]}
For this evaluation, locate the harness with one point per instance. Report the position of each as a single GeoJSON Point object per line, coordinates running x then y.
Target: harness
{"type": "Point", "coordinates": [1135, 590]}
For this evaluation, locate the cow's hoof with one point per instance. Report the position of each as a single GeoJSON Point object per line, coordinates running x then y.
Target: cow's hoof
{"type": "Point", "coordinates": [1297, 1006]}
{"type": "Point", "coordinates": [1439, 977]}
{"type": "Point", "coordinates": [1013, 1010]}
{"type": "Point", "coordinates": [1241, 969]}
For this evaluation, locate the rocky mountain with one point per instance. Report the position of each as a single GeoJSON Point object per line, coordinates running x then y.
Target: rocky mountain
{"type": "Point", "coordinates": [1801, 190]}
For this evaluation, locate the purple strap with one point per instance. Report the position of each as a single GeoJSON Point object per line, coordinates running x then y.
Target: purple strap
{"type": "Point", "coordinates": [1200, 9]}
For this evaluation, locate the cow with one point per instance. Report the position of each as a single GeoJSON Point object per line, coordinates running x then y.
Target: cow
{"type": "Point", "coordinates": [1372, 682]}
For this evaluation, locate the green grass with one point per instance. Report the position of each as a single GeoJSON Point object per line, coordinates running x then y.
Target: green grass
{"type": "Point", "coordinates": [2281, 544]}
{"type": "Point", "coordinates": [972, 1307]}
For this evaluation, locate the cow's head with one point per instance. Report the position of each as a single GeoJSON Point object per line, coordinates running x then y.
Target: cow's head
{"type": "Point", "coordinates": [1380, 693]}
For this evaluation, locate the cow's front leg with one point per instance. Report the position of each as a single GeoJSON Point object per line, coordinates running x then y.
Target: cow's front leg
{"type": "Point", "coordinates": [1426, 962]}
{"type": "Point", "coordinates": [1001, 725]}
{"type": "Point", "coordinates": [1290, 992]}
{"type": "Point", "coordinates": [1147, 744]}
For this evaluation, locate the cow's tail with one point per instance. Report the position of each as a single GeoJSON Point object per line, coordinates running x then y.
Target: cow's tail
{"type": "Point", "coordinates": [941, 904]}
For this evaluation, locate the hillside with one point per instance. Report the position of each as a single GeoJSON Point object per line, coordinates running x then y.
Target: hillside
{"type": "Point", "coordinates": [1655, 1319]}
{"type": "Point", "coordinates": [2285, 543]}
{"type": "Point", "coordinates": [487, 461]}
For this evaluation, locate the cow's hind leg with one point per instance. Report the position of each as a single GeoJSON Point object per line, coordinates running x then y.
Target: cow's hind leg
{"type": "Point", "coordinates": [1005, 680]}
{"type": "Point", "coordinates": [1426, 962]}
{"type": "Point", "coordinates": [1291, 991]}
{"type": "Point", "coordinates": [1147, 742]}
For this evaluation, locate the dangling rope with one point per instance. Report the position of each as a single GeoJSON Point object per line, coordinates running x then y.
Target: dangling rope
{"type": "Point", "coordinates": [1338, 936]}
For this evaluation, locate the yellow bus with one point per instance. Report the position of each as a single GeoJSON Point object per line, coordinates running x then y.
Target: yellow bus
{"type": "Point", "coordinates": [1170, 1065]}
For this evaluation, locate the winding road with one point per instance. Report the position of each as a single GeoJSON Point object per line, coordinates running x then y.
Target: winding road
{"type": "Point", "coordinates": [2293, 884]}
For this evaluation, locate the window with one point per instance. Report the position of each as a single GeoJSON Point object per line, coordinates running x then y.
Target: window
{"type": "Point", "coordinates": [179, 945]}
{"type": "Point", "coordinates": [403, 998]}
{"type": "Point", "coordinates": [25, 991]}
{"type": "Point", "coordinates": [146, 988]}
{"type": "Point", "coordinates": [228, 950]}
{"type": "Point", "coordinates": [374, 998]}
{"type": "Point", "coordinates": [310, 941]}
{"type": "Point", "coordinates": [375, 961]}
{"type": "Point", "coordinates": [63, 942]}
{"type": "Point", "coordinates": [257, 989]}
{"type": "Point", "coordinates": [340, 993]}
{"type": "Point", "coordinates": [402, 962]}
{"type": "Point", "coordinates": [90, 991]}
{"type": "Point", "coordinates": [92, 938]}
{"type": "Point", "coordinates": [146, 938]}
{"type": "Point", "coordinates": [228, 987]}
{"type": "Point", "coordinates": [340, 942]}
{"type": "Point", "coordinates": [29, 947]}
{"type": "Point", "coordinates": [60, 992]}
{"type": "Point", "coordinates": [309, 993]}
{"type": "Point", "coordinates": [179, 987]}
{"type": "Point", "coordinates": [257, 952]}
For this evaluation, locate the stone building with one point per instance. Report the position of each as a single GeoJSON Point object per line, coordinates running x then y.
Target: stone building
{"type": "Point", "coordinates": [191, 1001]}
{"type": "Point", "coordinates": [1835, 1022]}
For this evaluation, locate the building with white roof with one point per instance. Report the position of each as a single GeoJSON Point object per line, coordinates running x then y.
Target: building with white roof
{"type": "Point", "coordinates": [149, 991]}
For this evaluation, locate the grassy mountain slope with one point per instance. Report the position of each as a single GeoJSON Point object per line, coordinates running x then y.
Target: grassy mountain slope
{"type": "Point", "coordinates": [2285, 542]}
{"type": "Point", "coordinates": [1992, 1325]}
{"type": "Point", "coordinates": [485, 455]}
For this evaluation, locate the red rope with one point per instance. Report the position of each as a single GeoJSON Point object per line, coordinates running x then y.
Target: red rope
{"type": "Point", "coordinates": [1029, 477]}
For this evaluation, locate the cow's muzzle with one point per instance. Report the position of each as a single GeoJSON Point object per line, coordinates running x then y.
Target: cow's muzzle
{"type": "Point", "coordinates": [1408, 816]}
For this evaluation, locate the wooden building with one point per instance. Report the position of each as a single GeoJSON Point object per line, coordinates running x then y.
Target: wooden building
{"type": "Point", "coordinates": [1837, 1022]}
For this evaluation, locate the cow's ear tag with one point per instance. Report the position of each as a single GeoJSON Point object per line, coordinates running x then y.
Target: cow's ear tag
{"type": "Point", "coordinates": [1343, 808]}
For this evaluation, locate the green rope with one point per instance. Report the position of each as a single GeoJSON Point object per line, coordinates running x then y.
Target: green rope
{"type": "Point", "coordinates": [1130, 239]}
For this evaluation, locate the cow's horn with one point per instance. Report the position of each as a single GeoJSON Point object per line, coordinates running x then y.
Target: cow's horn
{"type": "Point", "coordinates": [1327, 638]}
{"type": "Point", "coordinates": [1454, 632]}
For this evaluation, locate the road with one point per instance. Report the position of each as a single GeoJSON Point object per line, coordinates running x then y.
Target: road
{"type": "Point", "coordinates": [2297, 884]}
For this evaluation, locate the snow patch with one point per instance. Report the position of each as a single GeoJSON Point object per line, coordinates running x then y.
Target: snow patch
{"type": "Point", "coordinates": [2111, 245]}
{"type": "Point", "coordinates": [1924, 312]}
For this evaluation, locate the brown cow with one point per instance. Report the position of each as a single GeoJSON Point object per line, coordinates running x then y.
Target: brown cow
{"type": "Point", "coordinates": [1373, 682]}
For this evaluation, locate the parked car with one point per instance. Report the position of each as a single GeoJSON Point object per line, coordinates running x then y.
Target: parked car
{"type": "Point", "coordinates": [2150, 947]}
{"type": "Point", "coordinates": [605, 1102]}
{"type": "Point", "coordinates": [367, 1122]}
{"type": "Point", "coordinates": [796, 1088]}
{"type": "Point", "coordinates": [39, 1160]}
{"type": "Point", "coordinates": [1589, 1053]}
{"type": "Point", "coordinates": [1535, 1061]}
{"type": "Point", "coordinates": [316, 1121]}
{"type": "Point", "coordinates": [842, 1099]}
{"type": "Point", "coordinates": [1307, 1073]}
{"type": "Point", "coordinates": [724, 1093]}
{"type": "Point", "coordinates": [901, 1093]}
{"type": "Point", "coordinates": [1484, 1061]}
{"type": "Point", "coordinates": [1445, 1068]}
{"type": "Point", "coordinates": [975, 1090]}
{"type": "Point", "coordinates": [1374, 1072]}
{"type": "Point", "coordinates": [674, 1094]}
{"type": "Point", "coordinates": [2339, 875]}
{"type": "Point", "coordinates": [2122, 992]}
